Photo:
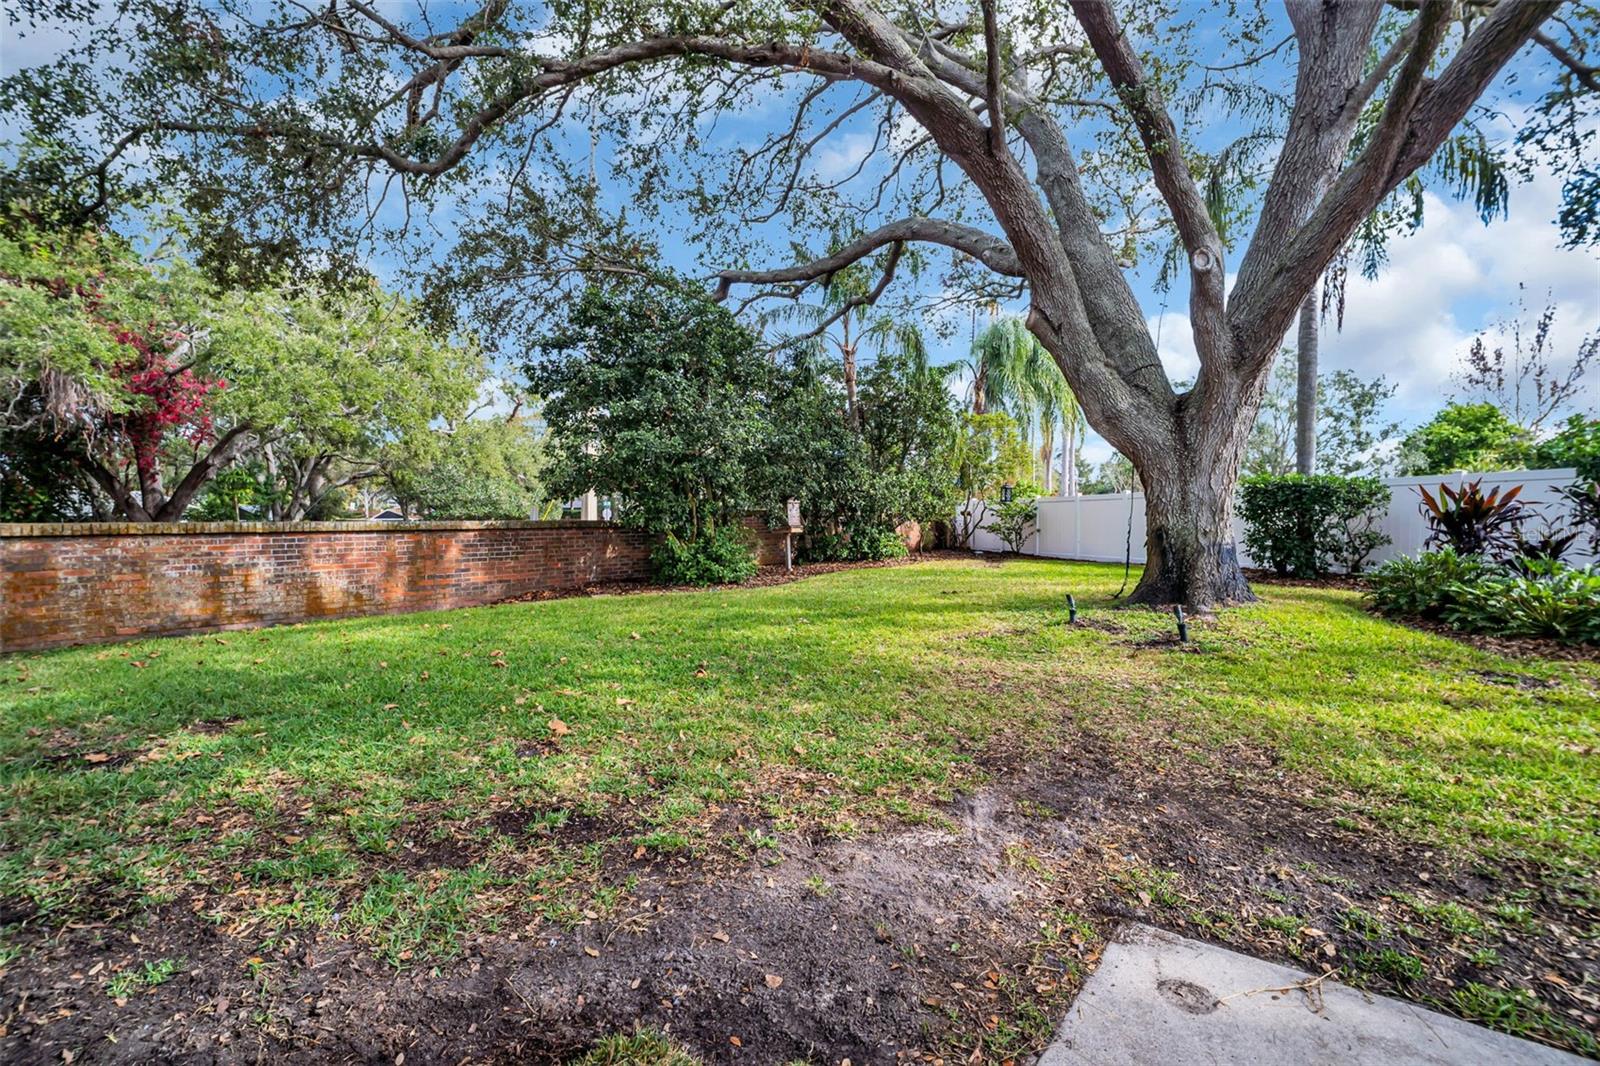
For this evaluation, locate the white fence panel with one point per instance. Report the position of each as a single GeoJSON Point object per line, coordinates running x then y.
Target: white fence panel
{"type": "Point", "coordinates": [1095, 528]}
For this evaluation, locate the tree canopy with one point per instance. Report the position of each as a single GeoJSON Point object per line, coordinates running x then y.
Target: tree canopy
{"type": "Point", "coordinates": [1038, 152]}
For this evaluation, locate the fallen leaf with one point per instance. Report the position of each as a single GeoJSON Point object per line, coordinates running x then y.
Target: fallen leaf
{"type": "Point", "coordinates": [623, 701]}
{"type": "Point", "coordinates": [720, 936]}
{"type": "Point", "coordinates": [390, 706]}
{"type": "Point", "coordinates": [593, 953]}
{"type": "Point", "coordinates": [735, 1041]}
{"type": "Point", "coordinates": [633, 636]}
{"type": "Point", "coordinates": [774, 981]}
{"type": "Point", "coordinates": [559, 728]}
{"type": "Point", "coordinates": [96, 756]}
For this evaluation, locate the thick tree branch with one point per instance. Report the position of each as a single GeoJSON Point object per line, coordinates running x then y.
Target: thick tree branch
{"type": "Point", "coordinates": [988, 249]}
{"type": "Point", "coordinates": [1424, 113]}
{"type": "Point", "coordinates": [1170, 170]}
{"type": "Point", "coordinates": [854, 302]}
{"type": "Point", "coordinates": [1589, 76]}
{"type": "Point", "coordinates": [992, 93]}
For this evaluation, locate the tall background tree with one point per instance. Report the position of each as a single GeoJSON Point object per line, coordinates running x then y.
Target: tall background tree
{"type": "Point", "coordinates": [297, 114]}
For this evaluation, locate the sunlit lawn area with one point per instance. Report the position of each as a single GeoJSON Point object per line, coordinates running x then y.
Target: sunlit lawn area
{"type": "Point", "coordinates": [281, 777]}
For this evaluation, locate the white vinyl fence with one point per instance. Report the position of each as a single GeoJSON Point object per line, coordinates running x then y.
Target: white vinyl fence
{"type": "Point", "coordinates": [1095, 528]}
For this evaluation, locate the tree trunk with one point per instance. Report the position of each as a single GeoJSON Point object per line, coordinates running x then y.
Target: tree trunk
{"type": "Point", "coordinates": [1305, 401]}
{"type": "Point", "coordinates": [852, 415]}
{"type": "Point", "coordinates": [1191, 557]}
{"type": "Point", "coordinates": [1068, 434]}
{"type": "Point", "coordinates": [1189, 480]}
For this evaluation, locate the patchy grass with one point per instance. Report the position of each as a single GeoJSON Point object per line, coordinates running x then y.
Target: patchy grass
{"type": "Point", "coordinates": [412, 783]}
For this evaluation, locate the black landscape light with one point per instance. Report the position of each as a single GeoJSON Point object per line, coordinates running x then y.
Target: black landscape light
{"type": "Point", "coordinates": [1005, 492]}
{"type": "Point", "coordinates": [1183, 623]}
{"type": "Point", "coordinates": [1072, 608]}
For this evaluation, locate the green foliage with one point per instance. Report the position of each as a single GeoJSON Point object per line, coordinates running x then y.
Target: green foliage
{"type": "Point", "coordinates": [719, 556]}
{"type": "Point", "coordinates": [1576, 444]}
{"type": "Point", "coordinates": [1561, 602]}
{"type": "Point", "coordinates": [1305, 525]}
{"type": "Point", "coordinates": [1015, 520]}
{"type": "Point", "coordinates": [240, 493]}
{"type": "Point", "coordinates": [1423, 586]}
{"type": "Point", "coordinates": [878, 544]}
{"type": "Point", "coordinates": [853, 484]}
{"type": "Point", "coordinates": [313, 385]}
{"type": "Point", "coordinates": [1472, 521]}
{"type": "Point", "coordinates": [1350, 426]}
{"type": "Point", "coordinates": [1584, 499]}
{"type": "Point", "coordinates": [660, 400]}
{"type": "Point", "coordinates": [636, 1049]}
{"type": "Point", "coordinates": [1463, 436]}
{"type": "Point", "coordinates": [1116, 474]}
{"type": "Point", "coordinates": [36, 485]}
{"type": "Point", "coordinates": [483, 469]}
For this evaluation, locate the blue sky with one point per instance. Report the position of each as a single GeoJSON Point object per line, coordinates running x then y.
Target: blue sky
{"type": "Point", "coordinates": [1441, 287]}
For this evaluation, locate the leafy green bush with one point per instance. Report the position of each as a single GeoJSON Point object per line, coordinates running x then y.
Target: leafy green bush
{"type": "Point", "coordinates": [876, 544]}
{"type": "Point", "coordinates": [1305, 525]}
{"type": "Point", "coordinates": [867, 544]}
{"type": "Point", "coordinates": [721, 556]}
{"type": "Point", "coordinates": [1563, 602]}
{"type": "Point", "coordinates": [1422, 586]}
{"type": "Point", "coordinates": [1576, 444]}
{"type": "Point", "coordinates": [822, 548]}
{"type": "Point", "coordinates": [1014, 521]}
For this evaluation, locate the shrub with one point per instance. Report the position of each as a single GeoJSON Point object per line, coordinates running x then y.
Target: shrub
{"type": "Point", "coordinates": [1014, 521]}
{"type": "Point", "coordinates": [1531, 555]}
{"type": "Point", "coordinates": [1304, 525]}
{"type": "Point", "coordinates": [823, 548]}
{"type": "Point", "coordinates": [1562, 602]}
{"type": "Point", "coordinates": [868, 544]}
{"type": "Point", "coordinates": [877, 544]}
{"type": "Point", "coordinates": [1471, 521]}
{"type": "Point", "coordinates": [1422, 586]}
{"type": "Point", "coordinates": [721, 556]}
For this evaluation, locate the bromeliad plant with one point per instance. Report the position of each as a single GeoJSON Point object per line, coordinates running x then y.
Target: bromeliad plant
{"type": "Point", "coordinates": [1474, 522]}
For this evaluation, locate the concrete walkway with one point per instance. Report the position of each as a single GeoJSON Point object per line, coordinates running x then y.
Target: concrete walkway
{"type": "Point", "coordinates": [1163, 1000]}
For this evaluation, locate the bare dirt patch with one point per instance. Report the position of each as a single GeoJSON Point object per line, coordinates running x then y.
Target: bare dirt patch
{"type": "Point", "coordinates": [964, 936]}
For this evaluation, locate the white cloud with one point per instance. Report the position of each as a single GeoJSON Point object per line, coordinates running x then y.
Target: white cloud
{"type": "Point", "coordinates": [1454, 278]}
{"type": "Point", "coordinates": [840, 154]}
{"type": "Point", "coordinates": [1174, 337]}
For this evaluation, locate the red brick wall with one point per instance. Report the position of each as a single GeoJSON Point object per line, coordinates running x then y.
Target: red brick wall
{"type": "Point", "coordinates": [90, 583]}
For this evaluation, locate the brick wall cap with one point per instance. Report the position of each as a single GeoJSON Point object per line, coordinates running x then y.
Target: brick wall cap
{"type": "Point", "coordinates": [169, 529]}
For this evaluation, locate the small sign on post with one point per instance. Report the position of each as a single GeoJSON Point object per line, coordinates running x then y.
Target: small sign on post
{"type": "Point", "coordinates": [792, 513]}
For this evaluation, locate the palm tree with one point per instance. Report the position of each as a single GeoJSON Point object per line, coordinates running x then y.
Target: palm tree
{"type": "Point", "coordinates": [1011, 371]}
{"type": "Point", "coordinates": [845, 324]}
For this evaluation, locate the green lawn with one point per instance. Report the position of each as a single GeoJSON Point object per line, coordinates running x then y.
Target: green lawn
{"type": "Point", "coordinates": [276, 773]}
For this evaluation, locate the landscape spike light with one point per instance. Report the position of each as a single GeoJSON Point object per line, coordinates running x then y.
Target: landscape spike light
{"type": "Point", "coordinates": [1072, 609]}
{"type": "Point", "coordinates": [1183, 623]}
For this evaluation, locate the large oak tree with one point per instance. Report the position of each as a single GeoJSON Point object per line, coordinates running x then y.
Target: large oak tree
{"type": "Point", "coordinates": [1037, 145]}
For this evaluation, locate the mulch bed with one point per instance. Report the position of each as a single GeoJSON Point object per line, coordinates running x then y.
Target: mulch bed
{"type": "Point", "coordinates": [1326, 581]}
{"type": "Point", "coordinates": [1510, 647]}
